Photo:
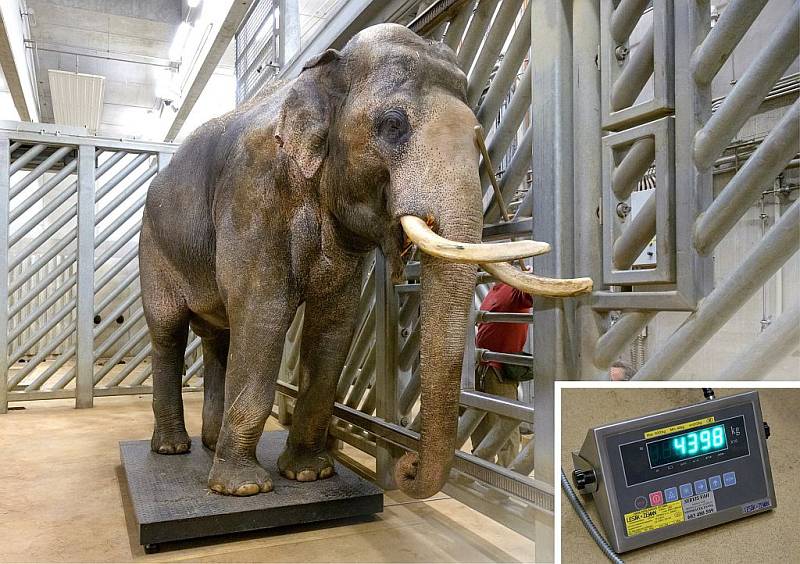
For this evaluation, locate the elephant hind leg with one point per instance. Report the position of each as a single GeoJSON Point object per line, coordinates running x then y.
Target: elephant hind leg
{"type": "Point", "coordinates": [169, 346]}
{"type": "Point", "coordinates": [215, 359]}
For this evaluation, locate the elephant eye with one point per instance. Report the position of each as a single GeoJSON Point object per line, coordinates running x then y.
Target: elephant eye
{"type": "Point", "coordinates": [394, 127]}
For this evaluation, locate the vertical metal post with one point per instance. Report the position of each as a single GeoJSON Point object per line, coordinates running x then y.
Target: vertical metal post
{"type": "Point", "coordinates": [84, 387]}
{"type": "Point", "coordinates": [587, 151]}
{"type": "Point", "coordinates": [553, 349]}
{"type": "Point", "coordinates": [289, 30]}
{"type": "Point", "coordinates": [385, 367]}
{"type": "Point", "coordinates": [5, 182]}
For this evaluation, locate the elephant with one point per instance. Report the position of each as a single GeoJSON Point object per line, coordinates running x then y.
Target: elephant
{"type": "Point", "coordinates": [278, 203]}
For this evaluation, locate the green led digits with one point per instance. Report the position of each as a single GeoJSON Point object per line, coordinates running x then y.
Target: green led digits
{"type": "Point", "coordinates": [687, 445]}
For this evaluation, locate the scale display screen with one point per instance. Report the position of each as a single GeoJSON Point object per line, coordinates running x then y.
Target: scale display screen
{"type": "Point", "coordinates": [687, 445]}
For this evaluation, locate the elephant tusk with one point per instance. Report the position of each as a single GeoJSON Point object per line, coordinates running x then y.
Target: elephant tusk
{"type": "Point", "coordinates": [431, 243]}
{"type": "Point", "coordinates": [538, 285]}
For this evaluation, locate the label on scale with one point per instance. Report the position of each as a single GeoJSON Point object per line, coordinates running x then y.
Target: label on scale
{"type": "Point", "coordinates": [672, 513]}
{"type": "Point", "coordinates": [699, 505]}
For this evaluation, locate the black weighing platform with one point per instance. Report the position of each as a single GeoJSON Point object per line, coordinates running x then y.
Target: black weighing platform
{"type": "Point", "coordinates": [172, 502]}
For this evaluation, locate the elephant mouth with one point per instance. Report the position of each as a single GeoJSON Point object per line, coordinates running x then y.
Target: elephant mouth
{"type": "Point", "coordinates": [493, 258]}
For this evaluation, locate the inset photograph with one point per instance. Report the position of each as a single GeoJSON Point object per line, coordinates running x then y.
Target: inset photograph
{"type": "Point", "coordinates": [650, 474]}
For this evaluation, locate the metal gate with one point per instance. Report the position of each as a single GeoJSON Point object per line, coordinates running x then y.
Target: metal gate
{"type": "Point", "coordinates": [70, 215]}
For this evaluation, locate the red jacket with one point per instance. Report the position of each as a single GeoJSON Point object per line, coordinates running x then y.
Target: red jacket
{"type": "Point", "coordinates": [504, 337]}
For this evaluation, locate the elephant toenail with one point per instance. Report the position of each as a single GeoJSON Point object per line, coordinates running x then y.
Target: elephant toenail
{"type": "Point", "coordinates": [289, 474]}
{"type": "Point", "coordinates": [266, 487]}
{"type": "Point", "coordinates": [306, 476]}
{"type": "Point", "coordinates": [163, 450]}
{"type": "Point", "coordinates": [247, 489]}
{"type": "Point", "coordinates": [326, 472]}
{"type": "Point", "coordinates": [217, 488]}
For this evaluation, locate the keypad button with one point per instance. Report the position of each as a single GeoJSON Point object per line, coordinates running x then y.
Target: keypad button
{"type": "Point", "coordinates": [701, 486]}
{"type": "Point", "coordinates": [671, 494]}
{"type": "Point", "coordinates": [640, 502]}
{"type": "Point", "coordinates": [686, 490]}
{"type": "Point", "coordinates": [715, 483]}
{"type": "Point", "coordinates": [656, 498]}
{"type": "Point", "coordinates": [729, 478]}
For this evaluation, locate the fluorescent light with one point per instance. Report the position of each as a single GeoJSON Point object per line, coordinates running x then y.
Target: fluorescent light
{"type": "Point", "coordinates": [178, 43]}
{"type": "Point", "coordinates": [193, 3]}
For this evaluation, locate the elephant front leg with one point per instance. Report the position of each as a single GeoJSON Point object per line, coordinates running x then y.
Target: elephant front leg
{"type": "Point", "coordinates": [255, 354]}
{"type": "Point", "coordinates": [327, 332]}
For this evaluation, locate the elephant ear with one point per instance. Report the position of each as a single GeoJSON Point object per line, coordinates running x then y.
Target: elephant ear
{"type": "Point", "coordinates": [304, 120]}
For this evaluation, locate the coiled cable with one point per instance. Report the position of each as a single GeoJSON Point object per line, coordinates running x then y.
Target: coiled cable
{"type": "Point", "coordinates": [587, 521]}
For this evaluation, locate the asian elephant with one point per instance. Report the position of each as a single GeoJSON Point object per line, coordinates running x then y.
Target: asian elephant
{"type": "Point", "coordinates": [276, 204]}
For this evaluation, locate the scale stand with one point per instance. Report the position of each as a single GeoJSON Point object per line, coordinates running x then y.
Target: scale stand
{"type": "Point", "coordinates": [172, 502]}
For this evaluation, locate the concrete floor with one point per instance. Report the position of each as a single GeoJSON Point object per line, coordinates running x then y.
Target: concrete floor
{"type": "Point", "coordinates": [769, 537]}
{"type": "Point", "coordinates": [60, 501]}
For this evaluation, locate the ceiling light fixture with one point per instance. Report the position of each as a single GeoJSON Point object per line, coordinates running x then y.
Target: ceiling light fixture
{"type": "Point", "coordinates": [179, 42]}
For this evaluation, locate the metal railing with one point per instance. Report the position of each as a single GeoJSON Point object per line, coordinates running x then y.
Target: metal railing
{"type": "Point", "coordinates": [70, 215]}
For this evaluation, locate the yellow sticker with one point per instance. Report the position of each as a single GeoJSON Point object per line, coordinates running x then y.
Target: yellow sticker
{"type": "Point", "coordinates": [652, 518]}
{"type": "Point", "coordinates": [676, 428]}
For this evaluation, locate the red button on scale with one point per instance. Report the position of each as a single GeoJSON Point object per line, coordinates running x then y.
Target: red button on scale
{"type": "Point", "coordinates": [656, 498]}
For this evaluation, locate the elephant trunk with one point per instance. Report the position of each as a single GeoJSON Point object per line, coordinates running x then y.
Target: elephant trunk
{"type": "Point", "coordinates": [447, 290]}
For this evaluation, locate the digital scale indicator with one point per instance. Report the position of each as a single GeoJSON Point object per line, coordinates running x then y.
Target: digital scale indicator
{"type": "Point", "coordinates": [671, 473]}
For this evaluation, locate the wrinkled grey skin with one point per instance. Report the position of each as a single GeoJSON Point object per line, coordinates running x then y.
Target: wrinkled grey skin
{"type": "Point", "coordinates": [277, 204]}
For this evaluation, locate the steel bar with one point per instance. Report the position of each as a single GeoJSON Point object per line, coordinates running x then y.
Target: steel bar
{"type": "Point", "coordinates": [363, 380]}
{"type": "Point", "coordinates": [116, 291]}
{"type": "Point", "coordinates": [364, 309]}
{"type": "Point", "coordinates": [119, 221]}
{"type": "Point", "coordinates": [635, 74]}
{"type": "Point", "coordinates": [44, 351]}
{"type": "Point", "coordinates": [121, 242]}
{"type": "Point", "coordinates": [56, 365]}
{"type": "Point", "coordinates": [118, 267]}
{"type": "Point", "coordinates": [410, 348]}
{"type": "Point", "coordinates": [505, 230]}
{"type": "Point", "coordinates": [5, 185]}
{"type": "Point", "coordinates": [410, 310]}
{"type": "Point", "coordinates": [613, 341]}
{"type": "Point", "coordinates": [503, 81]}
{"type": "Point", "coordinates": [475, 33]}
{"type": "Point", "coordinates": [43, 167]}
{"type": "Point", "coordinates": [131, 365]}
{"type": "Point", "coordinates": [779, 244]}
{"type": "Point", "coordinates": [723, 38]}
{"type": "Point", "coordinates": [493, 43]}
{"type": "Point", "coordinates": [41, 308]}
{"type": "Point", "coordinates": [110, 363]}
{"type": "Point", "coordinates": [495, 439]}
{"type": "Point", "coordinates": [410, 393]}
{"type": "Point", "coordinates": [782, 143]}
{"type": "Point", "coordinates": [625, 17]}
{"type": "Point", "coordinates": [45, 235]}
{"type": "Point", "coordinates": [84, 365]}
{"type": "Point", "coordinates": [640, 231]}
{"type": "Point", "coordinates": [127, 326]}
{"type": "Point", "coordinates": [14, 146]}
{"type": "Point", "coordinates": [44, 189]}
{"type": "Point", "coordinates": [45, 328]}
{"type": "Point", "coordinates": [455, 31]}
{"type": "Point", "coordinates": [117, 311]}
{"type": "Point", "coordinates": [43, 284]}
{"type": "Point", "coordinates": [634, 165]}
{"type": "Point", "coordinates": [771, 346]}
{"type": "Point", "coordinates": [467, 424]}
{"type": "Point", "coordinates": [25, 158]}
{"type": "Point", "coordinates": [127, 192]}
{"type": "Point", "coordinates": [120, 175]}
{"type": "Point", "coordinates": [505, 407]}
{"type": "Point", "coordinates": [513, 177]}
{"type": "Point", "coordinates": [506, 358]}
{"type": "Point", "coordinates": [362, 346]}
{"type": "Point", "coordinates": [192, 370]}
{"type": "Point", "coordinates": [523, 462]}
{"type": "Point", "coordinates": [502, 317]}
{"type": "Point", "coordinates": [506, 132]}
{"type": "Point", "coordinates": [42, 215]}
{"type": "Point", "coordinates": [435, 16]}
{"type": "Point", "coordinates": [748, 94]}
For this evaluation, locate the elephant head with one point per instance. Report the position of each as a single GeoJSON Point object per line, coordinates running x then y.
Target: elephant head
{"type": "Point", "coordinates": [382, 130]}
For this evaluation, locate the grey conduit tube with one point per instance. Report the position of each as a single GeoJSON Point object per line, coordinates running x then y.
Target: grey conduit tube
{"type": "Point", "coordinates": [587, 521]}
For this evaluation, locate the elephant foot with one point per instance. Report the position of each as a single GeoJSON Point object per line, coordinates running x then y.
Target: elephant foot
{"type": "Point", "coordinates": [304, 465]}
{"type": "Point", "coordinates": [170, 442]}
{"type": "Point", "coordinates": [239, 479]}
